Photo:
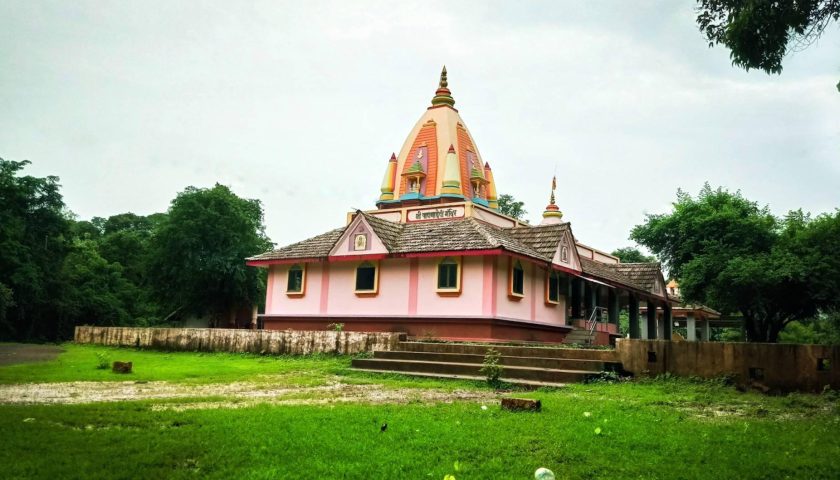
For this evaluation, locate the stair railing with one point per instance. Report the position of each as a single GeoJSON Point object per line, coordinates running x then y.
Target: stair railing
{"type": "Point", "coordinates": [597, 312]}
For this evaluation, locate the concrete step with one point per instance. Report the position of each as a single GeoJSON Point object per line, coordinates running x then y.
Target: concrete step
{"type": "Point", "coordinates": [604, 355]}
{"type": "Point", "coordinates": [513, 381]}
{"type": "Point", "coordinates": [533, 362]}
{"type": "Point", "coordinates": [580, 337]}
{"type": "Point", "coordinates": [472, 369]}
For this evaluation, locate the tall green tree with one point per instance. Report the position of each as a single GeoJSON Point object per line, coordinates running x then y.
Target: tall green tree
{"type": "Point", "coordinates": [34, 231]}
{"type": "Point", "coordinates": [735, 256]}
{"type": "Point", "coordinates": [197, 254]}
{"type": "Point", "coordinates": [759, 33]}
{"type": "Point", "coordinates": [96, 291]}
{"type": "Point", "coordinates": [511, 207]}
{"type": "Point", "coordinates": [632, 255]}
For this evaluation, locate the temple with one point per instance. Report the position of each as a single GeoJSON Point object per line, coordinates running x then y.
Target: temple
{"type": "Point", "coordinates": [437, 259]}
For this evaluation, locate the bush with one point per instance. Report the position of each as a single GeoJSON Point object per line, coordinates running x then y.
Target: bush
{"type": "Point", "coordinates": [491, 368]}
{"type": "Point", "coordinates": [103, 363]}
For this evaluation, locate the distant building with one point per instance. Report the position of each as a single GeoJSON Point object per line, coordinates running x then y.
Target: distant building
{"type": "Point", "coordinates": [437, 259]}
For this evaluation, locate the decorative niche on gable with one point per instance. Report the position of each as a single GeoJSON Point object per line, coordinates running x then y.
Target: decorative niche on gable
{"type": "Point", "coordinates": [359, 240]}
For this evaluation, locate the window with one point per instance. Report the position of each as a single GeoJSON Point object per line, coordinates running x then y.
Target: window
{"type": "Point", "coordinates": [295, 280]}
{"type": "Point", "coordinates": [449, 275]}
{"type": "Point", "coordinates": [367, 278]}
{"type": "Point", "coordinates": [553, 287]}
{"type": "Point", "coordinates": [517, 279]}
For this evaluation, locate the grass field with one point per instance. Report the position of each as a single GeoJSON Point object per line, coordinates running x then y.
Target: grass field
{"type": "Point", "coordinates": [646, 429]}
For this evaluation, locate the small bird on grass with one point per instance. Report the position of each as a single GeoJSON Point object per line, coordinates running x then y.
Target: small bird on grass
{"type": "Point", "coordinates": [383, 427]}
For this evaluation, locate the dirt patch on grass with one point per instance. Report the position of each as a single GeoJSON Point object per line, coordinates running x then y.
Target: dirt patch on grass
{"type": "Point", "coordinates": [12, 353]}
{"type": "Point", "coordinates": [234, 395]}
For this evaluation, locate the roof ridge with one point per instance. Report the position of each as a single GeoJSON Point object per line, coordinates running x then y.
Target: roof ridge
{"type": "Point", "coordinates": [487, 236]}
{"type": "Point", "coordinates": [377, 224]}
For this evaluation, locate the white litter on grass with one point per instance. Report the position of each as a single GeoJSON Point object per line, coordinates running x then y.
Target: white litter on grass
{"type": "Point", "coordinates": [484, 407]}
{"type": "Point", "coordinates": [587, 414]}
{"type": "Point", "coordinates": [543, 473]}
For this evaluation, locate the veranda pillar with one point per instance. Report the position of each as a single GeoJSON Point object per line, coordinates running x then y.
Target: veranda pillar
{"type": "Point", "coordinates": [577, 287]}
{"type": "Point", "coordinates": [651, 320]}
{"type": "Point", "coordinates": [705, 330]}
{"type": "Point", "coordinates": [634, 316]}
{"type": "Point", "coordinates": [591, 299]}
{"type": "Point", "coordinates": [612, 306]}
{"type": "Point", "coordinates": [668, 323]}
{"type": "Point", "coordinates": [691, 327]}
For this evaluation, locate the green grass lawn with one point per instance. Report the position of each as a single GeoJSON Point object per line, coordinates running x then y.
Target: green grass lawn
{"type": "Point", "coordinates": [646, 429]}
{"type": "Point", "coordinates": [79, 362]}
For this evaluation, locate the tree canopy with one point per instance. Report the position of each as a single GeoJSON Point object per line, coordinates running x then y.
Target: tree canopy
{"type": "Point", "coordinates": [759, 33]}
{"type": "Point", "coordinates": [632, 255]}
{"type": "Point", "coordinates": [735, 256]}
{"type": "Point", "coordinates": [34, 229]}
{"type": "Point", "coordinates": [199, 249]}
{"type": "Point", "coordinates": [57, 272]}
{"type": "Point", "coordinates": [511, 207]}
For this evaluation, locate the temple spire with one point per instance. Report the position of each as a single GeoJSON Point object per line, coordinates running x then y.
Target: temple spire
{"type": "Point", "coordinates": [552, 214]}
{"type": "Point", "coordinates": [442, 95]}
{"type": "Point", "coordinates": [451, 174]}
{"type": "Point", "coordinates": [388, 182]}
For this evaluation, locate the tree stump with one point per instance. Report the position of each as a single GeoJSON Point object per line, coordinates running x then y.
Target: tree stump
{"type": "Point", "coordinates": [121, 367]}
{"type": "Point", "coordinates": [521, 405]}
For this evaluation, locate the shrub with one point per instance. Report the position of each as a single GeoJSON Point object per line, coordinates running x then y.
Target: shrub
{"type": "Point", "coordinates": [102, 362]}
{"type": "Point", "coordinates": [491, 368]}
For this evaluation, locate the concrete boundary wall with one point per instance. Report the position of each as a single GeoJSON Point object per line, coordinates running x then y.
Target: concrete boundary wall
{"type": "Point", "coordinates": [275, 342]}
{"type": "Point", "coordinates": [781, 366]}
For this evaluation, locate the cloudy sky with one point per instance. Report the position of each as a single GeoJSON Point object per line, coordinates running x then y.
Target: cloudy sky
{"type": "Point", "coordinates": [300, 104]}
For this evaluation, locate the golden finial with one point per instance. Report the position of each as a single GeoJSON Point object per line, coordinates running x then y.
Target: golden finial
{"type": "Point", "coordinates": [443, 96]}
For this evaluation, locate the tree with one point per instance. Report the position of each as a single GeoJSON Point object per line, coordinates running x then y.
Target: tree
{"type": "Point", "coordinates": [735, 256]}
{"type": "Point", "coordinates": [34, 231]}
{"type": "Point", "coordinates": [759, 33]}
{"type": "Point", "coordinates": [97, 292]}
{"type": "Point", "coordinates": [632, 255]}
{"type": "Point", "coordinates": [511, 207]}
{"type": "Point", "coordinates": [198, 253]}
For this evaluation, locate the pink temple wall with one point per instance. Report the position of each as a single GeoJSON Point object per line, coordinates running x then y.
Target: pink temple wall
{"type": "Point", "coordinates": [407, 291]}
{"type": "Point", "coordinates": [278, 302]}
{"type": "Point", "coordinates": [468, 303]}
{"type": "Point", "coordinates": [391, 300]}
{"type": "Point", "coordinates": [532, 306]}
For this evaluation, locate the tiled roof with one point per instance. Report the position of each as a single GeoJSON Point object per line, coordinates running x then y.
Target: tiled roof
{"type": "Point", "coordinates": [538, 242]}
{"type": "Point", "coordinates": [388, 232]}
{"type": "Point", "coordinates": [643, 274]}
{"type": "Point", "coordinates": [452, 235]}
{"type": "Point", "coordinates": [315, 247]}
{"type": "Point", "coordinates": [542, 238]}
{"type": "Point", "coordinates": [606, 271]}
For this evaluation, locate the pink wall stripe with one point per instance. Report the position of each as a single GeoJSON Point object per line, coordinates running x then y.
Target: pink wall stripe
{"type": "Point", "coordinates": [269, 287]}
{"type": "Point", "coordinates": [494, 290]}
{"type": "Point", "coordinates": [487, 288]}
{"type": "Point", "coordinates": [325, 287]}
{"type": "Point", "coordinates": [535, 271]}
{"type": "Point", "coordinates": [413, 281]}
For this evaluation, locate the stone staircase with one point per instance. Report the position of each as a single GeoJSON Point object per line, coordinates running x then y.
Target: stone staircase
{"type": "Point", "coordinates": [578, 336]}
{"type": "Point", "coordinates": [527, 365]}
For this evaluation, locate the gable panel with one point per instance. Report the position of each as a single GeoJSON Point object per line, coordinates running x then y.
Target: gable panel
{"type": "Point", "coordinates": [358, 239]}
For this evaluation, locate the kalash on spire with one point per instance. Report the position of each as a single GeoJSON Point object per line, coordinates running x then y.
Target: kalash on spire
{"type": "Point", "coordinates": [438, 162]}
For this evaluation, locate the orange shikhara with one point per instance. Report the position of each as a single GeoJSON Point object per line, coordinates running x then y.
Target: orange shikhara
{"type": "Point", "coordinates": [439, 161]}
